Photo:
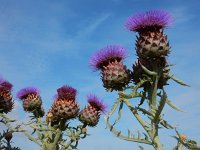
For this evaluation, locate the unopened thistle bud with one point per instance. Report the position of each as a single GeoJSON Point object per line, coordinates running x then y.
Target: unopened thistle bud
{"type": "Point", "coordinates": [6, 100]}
{"type": "Point", "coordinates": [138, 72]}
{"type": "Point", "coordinates": [183, 137]}
{"type": "Point", "coordinates": [31, 99]}
{"type": "Point", "coordinates": [151, 42]}
{"type": "Point", "coordinates": [65, 105]}
{"type": "Point", "coordinates": [8, 135]}
{"type": "Point", "coordinates": [90, 114]}
{"type": "Point", "coordinates": [109, 60]}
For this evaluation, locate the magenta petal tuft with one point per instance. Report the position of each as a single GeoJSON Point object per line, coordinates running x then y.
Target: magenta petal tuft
{"type": "Point", "coordinates": [96, 102]}
{"type": "Point", "coordinates": [155, 18]}
{"type": "Point", "coordinates": [28, 90]}
{"type": "Point", "coordinates": [107, 53]}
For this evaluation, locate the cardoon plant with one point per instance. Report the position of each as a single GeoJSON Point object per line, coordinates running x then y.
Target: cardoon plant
{"type": "Point", "coordinates": [146, 80]}
{"type": "Point", "coordinates": [6, 106]}
{"type": "Point", "coordinates": [55, 131]}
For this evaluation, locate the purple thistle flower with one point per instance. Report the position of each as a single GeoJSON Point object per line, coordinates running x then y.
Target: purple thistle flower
{"type": "Point", "coordinates": [106, 54]}
{"type": "Point", "coordinates": [55, 97]}
{"type": "Point", "coordinates": [93, 100]}
{"type": "Point", "coordinates": [67, 91]}
{"type": "Point", "coordinates": [156, 19]}
{"type": "Point", "coordinates": [5, 84]}
{"type": "Point", "coordinates": [28, 90]}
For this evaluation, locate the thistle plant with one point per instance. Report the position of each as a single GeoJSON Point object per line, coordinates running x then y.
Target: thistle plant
{"type": "Point", "coordinates": [146, 80]}
{"type": "Point", "coordinates": [6, 100]}
{"type": "Point", "coordinates": [55, 131]}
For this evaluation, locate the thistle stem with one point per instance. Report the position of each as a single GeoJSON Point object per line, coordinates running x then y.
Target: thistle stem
{"type": "Point", "coordinates": [152, 95]}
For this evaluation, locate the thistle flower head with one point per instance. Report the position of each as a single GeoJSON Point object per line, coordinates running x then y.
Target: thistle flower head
{"type": "Point", "coordinates": [5, 84]}
{"type": "Point", "coordinates": [107, 54]}
{"type": "Point", "coordinates": [150, 20]}
{"type": "Point", "coordinates": [94, 101]}
{"type": "Point", "coordinates": [26, 91]}
{"type": "Point", "coordinates": [67, 92]}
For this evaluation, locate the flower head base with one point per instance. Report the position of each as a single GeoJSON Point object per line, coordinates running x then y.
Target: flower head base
{"type": "Point", "coordinates": [150, 20]}
{"type": "Point", "coordinates": [107, 54]}
{"type": "Point", "coordinates": [66, 92]}
{"type": "Point", "coordinates": [94, 101]}
{"type": "Point", "coordinates": [26, 91]}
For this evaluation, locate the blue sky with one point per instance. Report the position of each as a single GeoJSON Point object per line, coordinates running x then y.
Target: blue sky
{"type": "Point", "coordinates": [48, 44]}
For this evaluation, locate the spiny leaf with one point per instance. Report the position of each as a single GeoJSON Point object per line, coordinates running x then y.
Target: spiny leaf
{"type": "Point", "coordinates": [177, 80]}
{"type": "Point", "coordinates": [119, 113]}
{"type": "Point", "coordinates": [148, 71]}
{"type": "Point", "coordinates": [146, 136]}
{"type": "Point", "coordinates": [144, 111]}
{"type": "Point", "coordinates": [140, 147]}
{"type": "Point", "coordinates": [142, 99]}
{"type": "Point", "coordinates": [113, 108]}
{"type": "Point", "coordinates": [173, 106]}
{"type": "Point", "coordinates": [160, 107]}
{"type": "Point", "coordinates": [166, 124]}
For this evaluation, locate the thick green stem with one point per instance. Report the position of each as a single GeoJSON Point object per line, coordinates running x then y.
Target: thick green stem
{"type": "Point", "coordinates": [152, 95]}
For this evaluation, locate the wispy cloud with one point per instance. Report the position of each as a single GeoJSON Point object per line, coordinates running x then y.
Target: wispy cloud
{"type": "Point", "coordinates": [181, 14]}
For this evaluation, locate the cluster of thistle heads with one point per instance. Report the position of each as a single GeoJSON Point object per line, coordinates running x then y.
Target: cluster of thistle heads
{"type": "Point", "coordinates": [152, 48]}
{"type": "Point", "coordinates": [64, 108]}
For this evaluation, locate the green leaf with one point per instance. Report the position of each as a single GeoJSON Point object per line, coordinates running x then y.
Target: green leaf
{"type": "Point", "coordinates": [160, 107]}
{"type": "Point", "coordinates": [142, 99]}
{"type": "Point", "coordinates": [148, 71]}
{"type": "Point", "coordinates": [119, 113]}
{"type": "Point", "coordinates": [146, 136]}
{"type": "Point", "coordinates": [113, 108]}
{"type": "Point", "coordinates": [173, 106]}
{"type": "Point", "coordinates": [165, 124]}
{"type": "Point", "coordinates": [177, 80]}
